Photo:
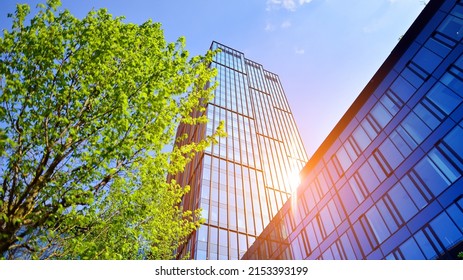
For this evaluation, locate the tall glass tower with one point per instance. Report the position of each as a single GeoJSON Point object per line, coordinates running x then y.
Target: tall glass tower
{"type": "Point", "coordinates": [241, 182]}
{"type": "Point", "coordinates": [387, 183]}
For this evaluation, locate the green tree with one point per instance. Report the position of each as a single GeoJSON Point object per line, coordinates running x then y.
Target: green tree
{"type": "Point", "coordinates": [87, 109]}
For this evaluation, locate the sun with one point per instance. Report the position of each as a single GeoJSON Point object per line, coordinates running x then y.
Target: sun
{"type": "Point", "coordinates": [294, 181]}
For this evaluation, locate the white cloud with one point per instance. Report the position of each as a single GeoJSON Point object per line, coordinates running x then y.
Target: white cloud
{"type": "Point", "coordinates": [269, 27]}
{"type": "Point", "coordinates": [285, 24]}
{"type": "Point", "coordinates": [299, 51]}
{"type": "Point", "coordinates": [290, 5]}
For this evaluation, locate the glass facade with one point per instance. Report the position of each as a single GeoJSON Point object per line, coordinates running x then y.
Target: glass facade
{"type": "Point", "coordinates": [387, 183]}
{"type": "Point", "coordinates": [241, 182]}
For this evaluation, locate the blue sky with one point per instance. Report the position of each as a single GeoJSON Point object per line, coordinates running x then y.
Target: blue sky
{"type": "Point", "coordinates": [325, 51]}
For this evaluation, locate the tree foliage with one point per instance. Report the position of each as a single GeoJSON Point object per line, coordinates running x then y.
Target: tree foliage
{"type": "Point", "coordinates": [87, 107]}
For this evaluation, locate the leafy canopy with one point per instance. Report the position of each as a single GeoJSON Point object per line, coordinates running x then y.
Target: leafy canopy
{"type": "Point", "coordinates": [87, 107]}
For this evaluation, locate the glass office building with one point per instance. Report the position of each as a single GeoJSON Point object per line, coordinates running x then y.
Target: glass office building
{"type": "Point", "coordinates": [387, 182]}
{"type": "Point", "coordinates": [241, 182]}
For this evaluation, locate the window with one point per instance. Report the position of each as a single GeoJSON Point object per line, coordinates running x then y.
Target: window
{"type": "Point", "coordinates": [402, 141]}
{"type": "Point", "coordinates": [369, 178]}
{"type": "Point", "coordinates": [381, 115]}
{"type": "Point", "coordinates": [455, 212]}
{"type": "Point", "coordinates": [349, 200]}
{"type": "Point", "coordinates": [426, 245]}
{"type": "Point", "coordinates": [371, 127]}
{"type": "Point", "coordinates": [403, 202]}
{"type": "Point", "coordinates": [326, 220]}
{"type": "Point", "coordinates": [427, 60]}
{"type": "Point", "coordinates": [443, 98]}
{"type": "Point", "coordinates": [415, 127]}
{"type": "Point", "coordinates": [432, 176]}
{"type": "Point", "coordinates": [446, 230]}
{"type": "Point", "coordinates": [451, 80]}
{"type": "Point", "coordinates": [390, 153]}
{"type": "Point", "coordinates": [377, 224]}
{"type": "Point", "coordinates": [365, 235]}
{"type": "Point", "coordinates": [438, 47]}
{"type": "Point", "coordinates": [298, 246]}
{"type": "Point", "coordinates": [361, 138]}
{"type": "Point", "coordinates": [411, 251]}
{"type": "Point", "coordinates": [314, 234]}
{"type": "Point", "coordinates": [358, 188]}
{"type": "Point", "coordinates": [347, 246]}
{"type": "Point", "coordinates": [343, 158]}
{"type": "Point", "coordinates": [416, 189]}
{"type": "Point", "coordinates": [452, 27]}
{"type": "Point", "coordinates": [403, 89]}
{"type": "Point", "coordinates": [414, 75]}
{"type": "Point", "coordinates": [453, 141]}
{"type": "Point", "coordinates": [389, 214]}
{"type": "Point", "coordinates": [444, 165]}
{"type": "Point", "coordinates": [391, 102]}
{"type": "Point", "coordinates": [429, 113]}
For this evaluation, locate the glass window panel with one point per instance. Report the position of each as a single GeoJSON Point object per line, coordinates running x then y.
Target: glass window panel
{"type": "Point", "coordinates": [444, 165]}
{"type": "Point", "coordinates": [343, 158]}
{"type": "Point", "coordinates": [312, 236]}
{"type": "Point", "coordinates": [453, 83]}
{"type": "Point", "coordinates": [426, 246]}
{"type": "Point", "coordinates": [457, 215]}
{"type": "Point", "coordinates": [296, 249]}
{"type": "Point", "coordinates": [369, 129]}
{"type": "Point", "coordinates": [411, 251]}
{"type": "Point", "coordinates": [327, 255]}
{"type": "Point", "coordinates": [350, 151]}
{"type": "Point", "coordinates": [377, 224]}
{"type": "Point", "coordinates": [390, 153]}
{"type": "Point", "coordinates": [361, 138]}
{"type": "Point", "coordinates": [348, 250]}
{"type": "Point", "coordinates": [201, 255]}
{"type": "Point", "coordinates": [334, 213]}
{"type": "Point", "coordinates": [424, 113]}
{"type": "Point", "coordinates": [326, 220]}
{"type": "Point", "coordinates": [452, 27]}
{"type": "Point", "coordinates": [403, 202]}
{"type": "Point", "coordinates": [335, 251]}
{"type": "Point", "coordinates": [443, 98]}
{"type": "Point", "coordinates": [387, 215]}
{"type": "Point", "coordinates": [412, 77]}
{"type": "Point", "coordinates": [446, 230]}
{"type": "Point", "coordinates": [368, 177]}
{"type": "Point", "coordinates": [431, 176]}
{"type": "Point", "coordinates": [363, 239]}
{"type": "Point", "coordinates": [349, 200]}
{"type": "Point", "coordinates": [381, 115]}
{"type": "Point", "coordinates": [389, 103]}
{"type": "Point", "coordinates": [202, 233]}
{"type": "Point", "coordinates": [415, 127]}
{"type": "Point", "coordinates": [402, 88]}
{"type": "Point", "coordinates": [415, 192]}
{"type": "Point", "coordinates": [455, 139]}
{"type": "Point", "coordinates": [438, 47]}
{"type": "Point", "coordinates": [458, 10]}
{"type": "Point", "coordinates": [357, 189]}
{"type": "Point", "coordinates": [427, 60]}
{"type": "Point", "coordinates": [400, 143]}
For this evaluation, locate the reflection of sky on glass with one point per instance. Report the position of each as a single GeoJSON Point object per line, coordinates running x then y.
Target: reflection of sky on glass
{"type": "Point", "coordinates": [325, 51]}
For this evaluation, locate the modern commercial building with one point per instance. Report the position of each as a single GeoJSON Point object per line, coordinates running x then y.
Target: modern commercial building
{"type": "Point", "coordinates": [387, 182]}
{"type": "Point", "coordinates": [241, 182]}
